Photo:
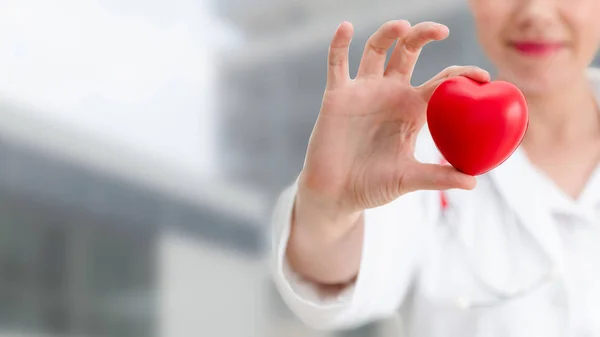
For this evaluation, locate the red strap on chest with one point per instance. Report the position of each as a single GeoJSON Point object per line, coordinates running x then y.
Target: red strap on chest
{"type": "Point", "coordinates": [443, 196]}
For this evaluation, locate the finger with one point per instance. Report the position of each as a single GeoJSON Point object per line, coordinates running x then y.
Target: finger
{"type": "Point", "coordinates": [472, 72]}
{"type": "Point", "coordinates": [407, 51]}
{"type": "Point", "coordinates": [419, 176]}
{"type": "Point", "coordinates": [338, 69]}
{"type": "Point", "coordinates": [375, 54]}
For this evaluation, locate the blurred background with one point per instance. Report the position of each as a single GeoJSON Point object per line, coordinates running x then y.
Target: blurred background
{"type": "Point", "coordinates": [143, 144]}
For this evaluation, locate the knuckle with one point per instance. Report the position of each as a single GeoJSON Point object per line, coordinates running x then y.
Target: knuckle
{"type": "Point", "coordinates": [411, 46]}
{"type": "Point", "coordinates": [336, 56]}
{"type": "Point", "coordinates": [336, 61]}
{"type": "Point", "coordinates": [375, 48]}
{"type": "Point", "coordinates": [423, 35]}
{"type": "Point", "coordinates": [415, 43]}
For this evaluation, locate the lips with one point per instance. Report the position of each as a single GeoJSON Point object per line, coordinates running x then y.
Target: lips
{"type": "Point", "coordinates": [537, 48]}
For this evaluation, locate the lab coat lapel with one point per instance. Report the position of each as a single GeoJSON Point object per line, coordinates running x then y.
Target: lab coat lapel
{"type": "Point", "coordinates": [517, 181]}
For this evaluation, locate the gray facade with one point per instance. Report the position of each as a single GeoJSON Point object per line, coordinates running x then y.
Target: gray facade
{"type": "Point", "coordinates": [79, 247]}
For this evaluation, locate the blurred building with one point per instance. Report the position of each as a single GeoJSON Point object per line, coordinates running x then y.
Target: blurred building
{"type": "Point", "coordinates": [95, 241]}
{"type": "Point", "coordinates": [109, 224]}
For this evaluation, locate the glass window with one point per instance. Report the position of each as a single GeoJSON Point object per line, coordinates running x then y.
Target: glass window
{"type": "Point", "coordinates": [33, 271]}
{"type": "Point", "coordinates": [120, 282]}
{"type": "Point", "coordinates": [64, 274]}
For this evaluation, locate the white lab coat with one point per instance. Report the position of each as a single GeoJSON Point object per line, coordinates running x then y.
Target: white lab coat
{"type": "Point", "coordinates": [514, 257]}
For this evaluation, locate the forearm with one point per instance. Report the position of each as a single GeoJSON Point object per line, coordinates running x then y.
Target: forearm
{"type": "Point", "coordinates": [325, 247]}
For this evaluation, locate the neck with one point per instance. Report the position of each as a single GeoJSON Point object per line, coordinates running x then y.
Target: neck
{"type": "Point", "coordinates": [567, 115]}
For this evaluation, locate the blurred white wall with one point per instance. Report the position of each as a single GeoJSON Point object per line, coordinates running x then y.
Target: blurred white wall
{"type": "Point", "coordinates": [138, 73]}
{"type": "Point", "coordinates": [209, 291]}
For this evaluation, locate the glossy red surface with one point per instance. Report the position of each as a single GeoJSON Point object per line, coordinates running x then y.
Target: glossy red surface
{"type": "Point", "coordinates": [477, 126]}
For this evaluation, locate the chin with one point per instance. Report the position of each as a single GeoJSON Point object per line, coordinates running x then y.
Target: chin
{"type": "Point", "coordinates": [540, 81]}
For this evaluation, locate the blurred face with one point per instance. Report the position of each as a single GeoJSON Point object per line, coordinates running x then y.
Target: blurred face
{"type": "Point", "coordinates": [539, 45]}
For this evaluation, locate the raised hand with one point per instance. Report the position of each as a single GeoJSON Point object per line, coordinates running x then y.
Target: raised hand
{"type": "Point", "coordinates": [361, 152]}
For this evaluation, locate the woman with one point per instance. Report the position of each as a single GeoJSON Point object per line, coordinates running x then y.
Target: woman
{"type": "Point", "coordinates": [516, 252]}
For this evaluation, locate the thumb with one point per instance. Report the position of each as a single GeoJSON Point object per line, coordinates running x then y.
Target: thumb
{"type": "Point", "coordinates": [419, 176]}
{"type": "Point", "coordinates": [472, 72]}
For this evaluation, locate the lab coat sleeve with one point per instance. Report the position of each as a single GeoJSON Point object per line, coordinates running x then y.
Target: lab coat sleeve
{"type": "Point", "coordinates": [393, 238]}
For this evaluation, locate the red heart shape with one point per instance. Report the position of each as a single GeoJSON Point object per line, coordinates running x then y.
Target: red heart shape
{"type": "Point", "coordinates": [477, 126]}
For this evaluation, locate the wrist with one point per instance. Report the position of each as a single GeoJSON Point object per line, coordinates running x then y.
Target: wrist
{"type": "Point", "coordinates": [329, 201]}
{"type": "Point", "coordinates": [323, 216]}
